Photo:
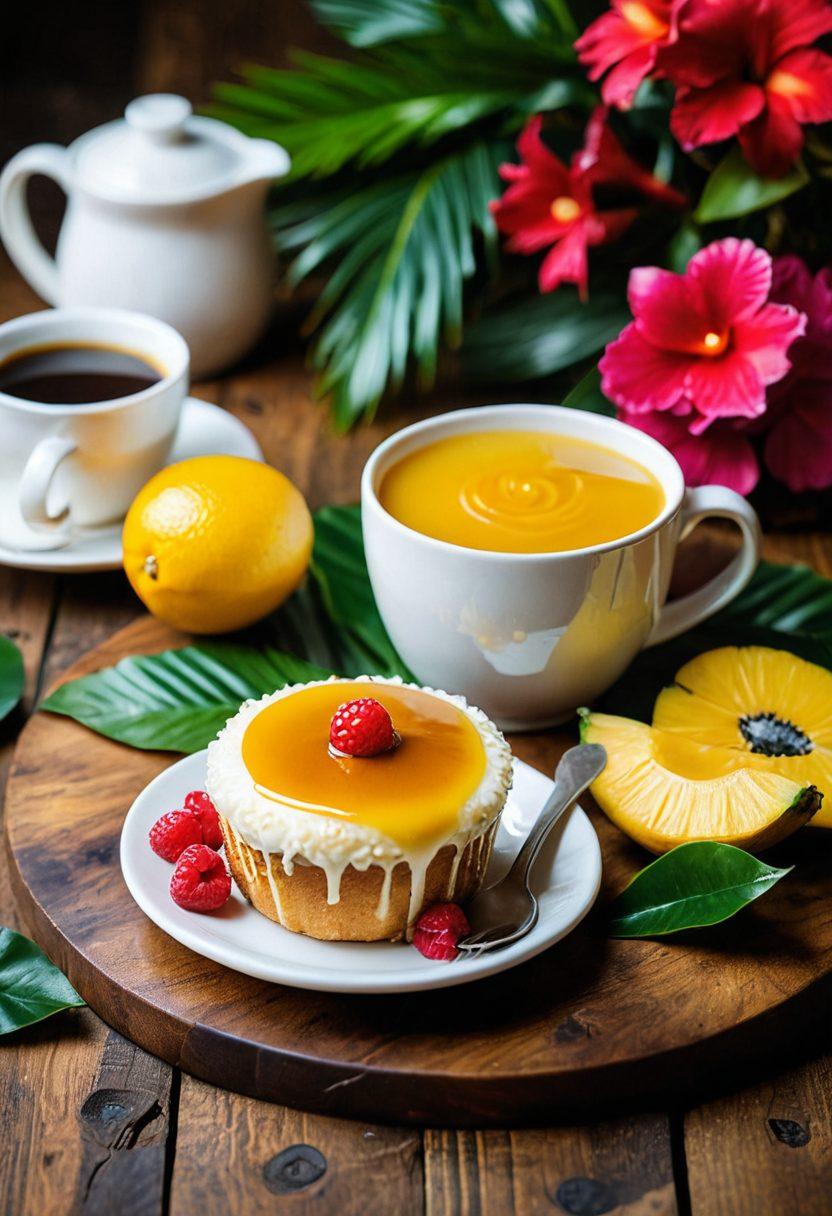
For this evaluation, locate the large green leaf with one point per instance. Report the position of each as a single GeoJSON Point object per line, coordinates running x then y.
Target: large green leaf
{"type": "Point", "coordinates": [785, 607]}
{"type": "Point", "coordinates": [176, 701]}
{"type": "Point", "coordinates": [541, 334]}
{"type": "Point", "coordinates": [692, 886]}
{"type": "Point", "coordinates": [11, 676]}
{"type": "Point", "coordinates": [31, 988]}
{"type": "Point", "coordinates": [734, 189]}
{"type": "Point", "coordinates": [364, 23]}
{"type": "Point", "coordinates": [404, 249]}
{"type": "Point", "coordinates": [587, 395]}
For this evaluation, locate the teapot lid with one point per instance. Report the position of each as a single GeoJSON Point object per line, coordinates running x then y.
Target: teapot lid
{"type": "Point", "coordinates": [161, 153]}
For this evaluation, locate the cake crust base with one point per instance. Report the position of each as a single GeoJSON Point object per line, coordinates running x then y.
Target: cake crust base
{"type": "Point", "coordinates": [302, 906]}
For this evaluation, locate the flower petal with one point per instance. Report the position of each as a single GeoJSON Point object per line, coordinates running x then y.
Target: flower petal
{"type": "Point", "coordinates": [791, 281]}
{"type": "Point", "coordinates": [728, 386]}
{"type": "Point", "coordinates": [669, 309]}
{"type": "Point", "coordinates": [765, 338]}
{"type": "Point", "coordinates": [566, 262]}
{"type": "Point", "coordinates": [638, 376]}
{"type": "Point", "coordinates": [772, 142]}
{"type": "Point", "coordinates": [705, 116]}
{"type": "Point", "coordinates": [621, 85]}
{"type": "Point", "coordinates": [711, 44]}
{"type": "Point", "coordinates": [723, 456]}
{"type": "Point", "coordinates": [735, 279]}
{"type": "Point", "coordinates": [803, 79]}
{"type": "Point", "coordinates": [606, 42]}
{"type": "Point", "coordinates": [798, 448]}
{"type": "Point", "coordinates": [794, 24]}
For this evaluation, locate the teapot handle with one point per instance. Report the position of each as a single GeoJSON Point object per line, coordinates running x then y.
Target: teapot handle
{"type": "Point", "coordinates": [16, 230]}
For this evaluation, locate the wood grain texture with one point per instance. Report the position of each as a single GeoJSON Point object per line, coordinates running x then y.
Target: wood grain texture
{"type": "Point", "coordinates": [591, 1022]}
{"type": "Point", "coordinates": [766, 1150]}
{"type": "Point", "coordinates": [612, 1167]}
{"type": "Point", "coordinates": [239, 1157]}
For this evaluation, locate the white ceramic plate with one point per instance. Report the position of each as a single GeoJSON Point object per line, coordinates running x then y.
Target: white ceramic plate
{"type": "Point", "coordinates": [204, 430]}
{"type": "Point", "coordinates": [566, 878]}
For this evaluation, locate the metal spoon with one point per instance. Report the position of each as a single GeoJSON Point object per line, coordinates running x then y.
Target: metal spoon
{"type": "Point", "coordinates": [509, 910]}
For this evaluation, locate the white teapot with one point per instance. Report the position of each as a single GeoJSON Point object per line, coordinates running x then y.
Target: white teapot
{"type": "Point", "coordinates": [165, 215]}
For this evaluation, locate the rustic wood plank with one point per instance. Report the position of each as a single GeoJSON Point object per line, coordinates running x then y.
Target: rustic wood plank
{"type": "Point", "coordinates": [765, 1150]}
{"type": "Point", "coordinates": [235, 1155]}
{"type": "Point", "coordinates": [612, 1167]}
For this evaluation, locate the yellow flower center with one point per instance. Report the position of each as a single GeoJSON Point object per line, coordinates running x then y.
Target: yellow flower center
{"type": "Point", "coordinates": [787, 85]}
{"type": "Point", "coordinates": [714, 343]}
{"type": "Point", "coordinates": [565, 209]}
{"type": "Point", "coordinates": [643, 20]}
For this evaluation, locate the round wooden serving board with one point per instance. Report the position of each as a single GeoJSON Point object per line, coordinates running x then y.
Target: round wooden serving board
{"type": "Point", "coordinates": [589, 1024]}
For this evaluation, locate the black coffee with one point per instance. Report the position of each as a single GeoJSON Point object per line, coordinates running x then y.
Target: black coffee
{"type": "Point", "coordinates": [75, 374]}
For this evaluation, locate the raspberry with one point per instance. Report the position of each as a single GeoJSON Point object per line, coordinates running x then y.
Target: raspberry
{"type": "Point", "coordinates": [204, 809]}
{"type": "Point", "coordinates": [362, 728]}
{"type": "Point", "coordinates": [173, 833]}
{"type": "Point", "coordinates": [439, 929]}
{"type": "Point", "coordinates": [200, 882]}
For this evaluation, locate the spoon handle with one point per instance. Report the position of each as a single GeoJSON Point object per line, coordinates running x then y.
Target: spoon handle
{"type": "Point", "coordinates": [577, 770]}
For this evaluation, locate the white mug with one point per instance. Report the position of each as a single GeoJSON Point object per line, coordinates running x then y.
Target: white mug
{"type": "Point", "coordinates": [530, 636]}
{"type": "Point", "coordinates": [64, 467]}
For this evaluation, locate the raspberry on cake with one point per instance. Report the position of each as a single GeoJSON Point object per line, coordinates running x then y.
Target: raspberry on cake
{"type": "Point", "coordinates": [352, 845]}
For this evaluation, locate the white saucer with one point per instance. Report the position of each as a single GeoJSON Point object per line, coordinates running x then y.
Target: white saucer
{"type": "Point", "coordinates": [566, 879]}
{"type": "Point", "coordinates": [204, 430]}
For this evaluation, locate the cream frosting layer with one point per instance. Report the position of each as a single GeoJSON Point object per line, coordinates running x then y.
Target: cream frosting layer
{"type": "Point", "coordinates": [303, 837]}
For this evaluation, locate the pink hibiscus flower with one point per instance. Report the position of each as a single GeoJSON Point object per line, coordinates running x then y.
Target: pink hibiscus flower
{"type": "Point", "coordinates": [704, 344]}
{"type": "Point", "coordinates": [723, 455]}
{"type": "Point", "coordinates": [748, 68]}
{"type": "Point", "coordinates": [549, 203]}
{"type": "Point", "coordinates": [625, 42]}
{"type": "Point", "coordinates": [798, 447]}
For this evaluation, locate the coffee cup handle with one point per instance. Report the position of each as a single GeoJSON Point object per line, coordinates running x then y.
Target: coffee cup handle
{"type": "Point", "coordinates": [16, 229]}
{"type": "Point", "coordinates": [701, 503]}
{"type": "Point", "coordinates": [35, 483]}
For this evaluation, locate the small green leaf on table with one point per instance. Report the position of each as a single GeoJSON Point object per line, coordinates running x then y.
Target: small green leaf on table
{"type": "Point", "coordinates": [734, 189]}
{"type": "Point", "coordinates": [177, 700]}
{"type": "Point", "coordinates": [31, 988]}
{"type": "Point", "coordinates": [692, 886]}
{"type": "Point", "coordinates": [11, 676]}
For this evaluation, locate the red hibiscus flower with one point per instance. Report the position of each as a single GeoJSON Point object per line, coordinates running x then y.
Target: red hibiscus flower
{"type": "Point", "coordinates": [747, 68]}
{"type": "Point", "coordinates": [798, 447]}
{"type": "Point", "coordinates": [549, 203]}
{"type": "Point", "coordinates": [626, 42]}
{"type": "Point", "coordinates": [704, 343]}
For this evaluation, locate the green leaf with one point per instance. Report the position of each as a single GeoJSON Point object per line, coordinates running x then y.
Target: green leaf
{"type": "Point", "coordinates": [784, 607]}
{"type": "Point", "coordinates": [11, 676]}
{"type": "Point", "coordinates": [176, 701]}
{"type": "Point", "coordinates": [368, 22]}
{"type": "Point", "coordinates": [734, 189]}
{"type": "Point", "coordinates": [694, 885]}
{"type": "Point", "coordinates": [587, 395]}
{"type": "Point", "coordinates": [686, 241]}
{"type": "Point", "coordinates": [539, 335]}
{"type": "Point", "coordinates": [406, 248]}
{"type": "Point", "coordinates": [31, 988]}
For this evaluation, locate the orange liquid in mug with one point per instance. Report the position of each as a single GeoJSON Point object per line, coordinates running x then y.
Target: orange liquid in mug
{"type": "Point", "coordinates": [520, 492]}
{"type": "Point", "coordinates": [413, 793]}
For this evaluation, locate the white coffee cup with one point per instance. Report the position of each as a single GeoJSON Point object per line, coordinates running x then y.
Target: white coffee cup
{"type": "Point", "coordinates": [530, 636]}
{"type": "Point", "coordinates": [65, 467]}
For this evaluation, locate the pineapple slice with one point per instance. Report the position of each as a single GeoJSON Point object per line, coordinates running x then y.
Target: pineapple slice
{"type": "Point", "coordinates": [664, 790]}
{"type": "Point", "coordinates": [771, 707]}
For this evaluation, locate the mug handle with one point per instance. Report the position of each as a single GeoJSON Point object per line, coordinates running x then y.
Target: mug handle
{"type": "Point", "coordinates": [698, 504]}
{"type": "Point", "coordinates": [19, 236]}
{"type": "Point", "coordinates": [34, 487]}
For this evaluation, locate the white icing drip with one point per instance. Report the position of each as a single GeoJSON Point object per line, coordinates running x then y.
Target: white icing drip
{"type": "Point", "coordinates": [383, 905]}
{"type": "Point", "coordinates": [334, 871]}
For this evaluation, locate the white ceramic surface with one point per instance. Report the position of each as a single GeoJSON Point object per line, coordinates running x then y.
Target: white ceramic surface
{"type": "Point", "coordinates": [165, 215]}
{"type": "Point", "coordinates": [64, 467]}
{"type": "Point", "coordinates": [566, 880]}
{"type": "Point", "coordinates": [530, 636]}
{"type": "Point", "coordinates": [204, 430]}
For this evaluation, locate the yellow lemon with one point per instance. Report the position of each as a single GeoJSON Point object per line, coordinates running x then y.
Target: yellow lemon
{"type": "Point", "coordinates": [216, 543]}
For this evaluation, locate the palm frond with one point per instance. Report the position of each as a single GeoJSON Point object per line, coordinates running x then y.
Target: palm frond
{"type": "Point", "coordinates": [402, 249]}
{"type": "Point", "coordinates": [364, 23]}
{"type": "Point", "coordinates": [329, 112]}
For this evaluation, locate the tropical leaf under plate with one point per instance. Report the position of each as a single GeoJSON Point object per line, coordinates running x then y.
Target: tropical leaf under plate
{"type": "Point", "coordinates": [11, 676]}
{"type": "Point", "coordinates": [31, 987]}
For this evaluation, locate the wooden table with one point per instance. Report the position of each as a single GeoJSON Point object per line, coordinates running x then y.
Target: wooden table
{"type": "Point", "coordinates": [91, 1123]}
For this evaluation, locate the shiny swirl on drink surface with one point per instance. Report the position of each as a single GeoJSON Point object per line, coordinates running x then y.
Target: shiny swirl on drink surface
{"type": "Point", "coordinates": [534, 499]}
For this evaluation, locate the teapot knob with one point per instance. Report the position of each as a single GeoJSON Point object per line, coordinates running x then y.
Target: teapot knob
{"type": "Point", "coordinates": [160, 116]}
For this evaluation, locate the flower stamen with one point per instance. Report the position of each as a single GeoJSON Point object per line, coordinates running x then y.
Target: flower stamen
{"type": "Point", "coordinates": [565, 209]}
{"type": "Point", "coordinates": [786, 84]}
{"type": "Point", "coordinates": [714, 343]}
{"type": "Point", "coordinates": [643, 20]}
